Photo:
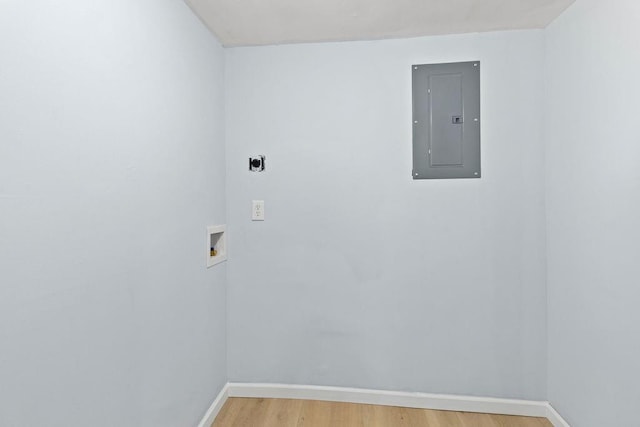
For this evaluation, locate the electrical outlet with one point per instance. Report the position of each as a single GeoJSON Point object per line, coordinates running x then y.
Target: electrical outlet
{"type": "Point", "coordinates": [257, 211]}
{"type": "Point", "coordinates": [256, 164]}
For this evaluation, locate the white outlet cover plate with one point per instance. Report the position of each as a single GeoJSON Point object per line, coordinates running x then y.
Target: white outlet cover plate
{"type": "Point", "coordinates": [257, 210]}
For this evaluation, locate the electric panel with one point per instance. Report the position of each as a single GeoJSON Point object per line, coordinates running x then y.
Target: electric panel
{"type": "Point", "coordinates": [446, 120]}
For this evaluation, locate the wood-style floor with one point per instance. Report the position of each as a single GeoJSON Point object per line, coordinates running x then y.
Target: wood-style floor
{"type": "Point", "coordinates": [241, 412]}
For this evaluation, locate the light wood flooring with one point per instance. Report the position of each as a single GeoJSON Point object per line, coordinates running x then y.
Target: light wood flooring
{"type": "Point", "coordinates": [241, 412]}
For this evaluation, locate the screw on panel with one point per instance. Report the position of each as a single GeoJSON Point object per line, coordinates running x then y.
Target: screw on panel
{"type": "Point", "coordinates": [475, 173]}
{"type": "Point", "coordinates": [475, 120]}
{"type": "Point", "coordinates": [415, 121]}
{"type": "Point", "coordinates": [475, 65]}
{"type": "Point", "coordinates": [415, 68]}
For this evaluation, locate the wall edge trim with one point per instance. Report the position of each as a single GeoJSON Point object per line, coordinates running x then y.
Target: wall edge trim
{"type": "Point", "coordinates": [216, 406]}
{"type": "Point", "coordinates": [444, 402]}
{"type": "Point", "coordinates": [554, 417]}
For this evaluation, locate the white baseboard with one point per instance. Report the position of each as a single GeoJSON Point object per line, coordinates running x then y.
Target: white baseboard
{"type": "Point", "coordinates": [554, 417]}
{"type": "Point", "coordinates": [442, 402]}
{"type": "Point", "coordinates": [215, 407]}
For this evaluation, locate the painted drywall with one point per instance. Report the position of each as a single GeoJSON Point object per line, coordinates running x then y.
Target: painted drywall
{"type": "Point", "coordinates": [111, 167]}
{"type": "Point", "coordinates": [251, 23]}
{"type": "Point", "coordinates": [361, 276]}
{"type": "Point", "coordinates": [593, 201]}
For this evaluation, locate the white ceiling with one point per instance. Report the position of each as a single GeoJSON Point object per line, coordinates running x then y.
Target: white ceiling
{"type": "Point", "coordinates": [260, 22]}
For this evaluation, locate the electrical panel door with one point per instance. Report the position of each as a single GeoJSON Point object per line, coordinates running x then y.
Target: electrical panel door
{"type": "Point", "coordinates": [446, 120]}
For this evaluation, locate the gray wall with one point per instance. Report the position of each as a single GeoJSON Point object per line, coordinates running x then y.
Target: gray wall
{"type": "Point", "coordinates": [593, 197]}
{"type": "Point", "coordinates": [111, 167]}
{"type": "Point", "coordinates": [112, 162]}
{"type": "Point", "coordinates": [360, 276]}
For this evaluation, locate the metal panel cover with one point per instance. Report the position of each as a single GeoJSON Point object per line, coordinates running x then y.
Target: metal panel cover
{"type": "Point", "coordinates": [446, 120]}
